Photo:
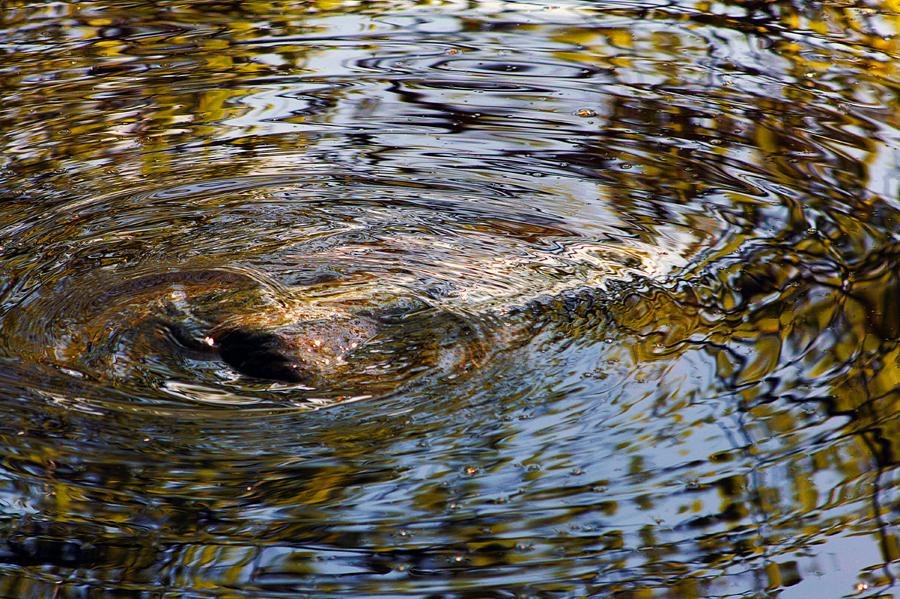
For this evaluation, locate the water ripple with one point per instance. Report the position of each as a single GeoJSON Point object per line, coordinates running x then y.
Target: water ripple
{"type": "Point", "coordinates": [571, 300]}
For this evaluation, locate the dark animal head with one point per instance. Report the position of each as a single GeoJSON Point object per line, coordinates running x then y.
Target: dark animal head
{"type": "Point", "coordinates": [262, 355]}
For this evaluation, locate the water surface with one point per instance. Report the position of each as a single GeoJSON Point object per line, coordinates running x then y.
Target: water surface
{"type": "Point", "coordinates": [621, 276]}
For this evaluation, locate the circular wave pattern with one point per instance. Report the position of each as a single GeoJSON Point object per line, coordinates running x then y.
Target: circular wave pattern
{"type": "Point", "coordinates": [579, 300]}
{"type": "Point", "coordinates": [290, 293]}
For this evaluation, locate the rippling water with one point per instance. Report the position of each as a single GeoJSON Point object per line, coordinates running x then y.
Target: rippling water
{"type": "Point", "coordinates": [582, 299]}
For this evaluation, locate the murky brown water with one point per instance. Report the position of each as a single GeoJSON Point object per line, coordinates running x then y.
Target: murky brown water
{"type": "Point", "coordinates": [449, 300]}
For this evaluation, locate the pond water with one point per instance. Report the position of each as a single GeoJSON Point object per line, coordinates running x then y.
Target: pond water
{"type": "Point", "coordinates": [581, 299]}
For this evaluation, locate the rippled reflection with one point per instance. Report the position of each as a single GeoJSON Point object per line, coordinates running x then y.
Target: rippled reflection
{"type": "Point", "coordinates": [582, 300]}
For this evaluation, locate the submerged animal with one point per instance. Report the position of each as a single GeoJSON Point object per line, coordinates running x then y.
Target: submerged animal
{"type": "Point", "coordinates": [335, 336]}
{"type": "Point", "coordinates": [332, 335]}
{"type": "Point", "coordinates": [329, 335]}
{"type": "Point", "coordinates": [346, 331]}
